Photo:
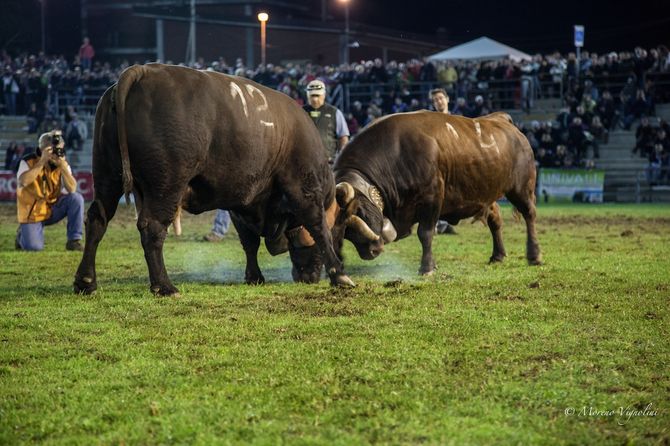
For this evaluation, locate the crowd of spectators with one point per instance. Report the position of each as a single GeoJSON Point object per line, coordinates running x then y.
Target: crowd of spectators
{"type": "Point", "coordinates": [599, 92]}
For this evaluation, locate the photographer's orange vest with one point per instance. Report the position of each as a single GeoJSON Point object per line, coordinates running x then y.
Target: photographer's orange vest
{"type": "Point", "coordinates": [34, 201]}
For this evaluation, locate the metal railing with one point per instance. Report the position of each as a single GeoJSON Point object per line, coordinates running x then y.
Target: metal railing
{"type": "Point", "coordinates": [647, 187]}
{"type": "Point", "coordinates": [520, 93]}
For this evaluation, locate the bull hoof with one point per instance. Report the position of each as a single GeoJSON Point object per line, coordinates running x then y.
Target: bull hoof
{"type": "Point", "coordinates": [84, 285]}
{"type": "Point", "coordinates": [305, 277]}
{"type": "Point", "coordinates": [342, 280]}
{"type": "Point", "coordinates": [496, 259]}
{"type": "Point", "coordinates": [535, 262]}
{"type": "Point", "coordinates": [254, 280]}
{"type": "Point", "coordinates": [428, 271]}
{"type": "Point", "coordinates": [165, 290]}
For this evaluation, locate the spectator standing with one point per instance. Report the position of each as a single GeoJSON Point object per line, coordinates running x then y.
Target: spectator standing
{"type": "Point", "coordinates": [34, 118]}
{"type": "Point", "coordinates": [75, 133]}
{"type": "Point", "coordinates": [577, 139]}
{"type": "Point", "coordinates": [86, 54]}
{"type": "Point", "coordinates": [16, 159]}
{"type": "Point", "coordinates": [359, 113]}
{"type": "Point", "coordinates": [10, 89]}
{"type": "Point", "coordinates": [398, 106]}
{"type": "Point", "coordinates": [461, 107]}
{"type": "Point", "coordinates": [599, 133]}
{"type": "Point", "coordinates": [46, 193]}
{"type": "Point", "coordinates": [9, 154]}
{"type": "Point", "coordinates": [328, 119]}
{"type": "Point", "coordinates": [440, 100]}
{"type": "Point", "coordinates": [352, 123]}
{"type": "Point", "coordinates": [220, 228]}
{"type": "Point", "coordinates": [479, 108]}
{"type": "Point", "coordinates": [644, 138]}
{"type": "Point", "coordinates": [607, 110]}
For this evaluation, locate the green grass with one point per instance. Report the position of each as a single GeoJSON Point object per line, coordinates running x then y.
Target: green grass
{"type": "Point", "coordinates": [476, 354]}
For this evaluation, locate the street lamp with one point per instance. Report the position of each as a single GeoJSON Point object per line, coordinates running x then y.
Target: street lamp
{"type": "Point", "coordinates": [263, 18]}
{"type": "Point", "coordinates": [346, 31]}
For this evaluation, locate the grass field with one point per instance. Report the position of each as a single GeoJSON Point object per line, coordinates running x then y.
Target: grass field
{"type": "Point", "coordinates": [476, 354]}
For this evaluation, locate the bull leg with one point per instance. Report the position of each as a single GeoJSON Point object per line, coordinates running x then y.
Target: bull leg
{"type": "Point", "coordinates": [99, 213]}
{"type": "Point", "coordinates": [495, 222]}
{"type": "Point", "coordinates": [526, 206]}
{"type": "Point", "coordinates": [324, 240]}
{"type": "Point", "coordinates": [152, 233]}
{"type": "Point", "coordinates": [250, 243]}
{"type": "Point", "coordinates": [427, 216]}
{"type": "Point", "coordinates": [425, 233]}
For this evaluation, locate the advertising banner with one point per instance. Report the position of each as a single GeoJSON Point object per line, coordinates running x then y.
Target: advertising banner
{"type": "Point", "coordinates": [8, 185]}
{"type": "Point", "coordinates": [574, 185]}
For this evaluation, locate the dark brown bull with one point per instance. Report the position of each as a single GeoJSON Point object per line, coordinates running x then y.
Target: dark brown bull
{"type": "Point", "coordinates": [175, 136]}
{"type": "Point", "coordinates": [418, 167]}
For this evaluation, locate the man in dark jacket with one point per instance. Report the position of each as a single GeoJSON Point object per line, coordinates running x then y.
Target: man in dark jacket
{"type": "Point", "coordinates": [328, 119]}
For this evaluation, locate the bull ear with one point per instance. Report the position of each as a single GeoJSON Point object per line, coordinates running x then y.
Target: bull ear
{"type": "Point", "coordinates": [344, 192]}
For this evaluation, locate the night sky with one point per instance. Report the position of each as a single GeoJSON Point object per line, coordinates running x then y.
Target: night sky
{"type": "Point", "coordinates": [528, 25]}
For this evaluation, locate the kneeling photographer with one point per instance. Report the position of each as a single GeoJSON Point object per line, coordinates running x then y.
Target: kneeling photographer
{"type": "Point", "coordinates": [46, 193]}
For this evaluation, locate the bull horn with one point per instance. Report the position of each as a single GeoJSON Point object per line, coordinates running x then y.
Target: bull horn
{"type": "Point", "coordinates": [348, 190]}
{"type": "Point", "coordinates": [389, 232]}
{"type": "Point", "coordinates": [359, 225]}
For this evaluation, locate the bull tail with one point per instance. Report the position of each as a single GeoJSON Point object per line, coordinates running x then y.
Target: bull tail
{"type": "Point", "coordinates": [127, 79]}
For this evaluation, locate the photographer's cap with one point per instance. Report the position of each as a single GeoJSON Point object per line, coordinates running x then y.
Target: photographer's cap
{"type": "Point", "coordinates": [316, 88]}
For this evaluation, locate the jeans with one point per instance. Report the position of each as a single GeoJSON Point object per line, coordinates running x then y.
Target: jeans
{"type": "Point", "coordinates": [31, 235]}
{"type": "Point", "coordinates": [10, 103]}
{"type": "Point", "coordinates": [221, 222]}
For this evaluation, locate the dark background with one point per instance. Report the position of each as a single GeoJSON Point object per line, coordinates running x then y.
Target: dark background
{"type": "Point", "coordinates": [530, 26]}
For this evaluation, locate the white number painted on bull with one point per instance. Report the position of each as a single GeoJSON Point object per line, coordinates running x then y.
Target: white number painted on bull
{"type": "Point", "coordinates": [482, 144]}
{"type": "Point", "coordinates": [235, 90]}
{"type": "Point", "coordinates": [251, 89]}
{"type": "Point", "coordinates": [452, 130]}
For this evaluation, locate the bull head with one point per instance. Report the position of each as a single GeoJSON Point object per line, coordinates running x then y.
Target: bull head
{"type": "Point", "coordinates": [357, 211]}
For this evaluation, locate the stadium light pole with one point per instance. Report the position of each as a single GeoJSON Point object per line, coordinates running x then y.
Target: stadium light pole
{"type": "Point", "coordinates": [263, 18]}
{"type": "Point", "coordinates": [346, 31]}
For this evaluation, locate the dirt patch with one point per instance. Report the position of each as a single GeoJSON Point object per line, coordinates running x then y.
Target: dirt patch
{"type": "Point", "coordinates": [601, 220]}
{"type": "Point", "coordinates": [627, 233]}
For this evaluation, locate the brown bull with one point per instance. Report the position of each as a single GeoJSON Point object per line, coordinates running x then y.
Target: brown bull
{"type": "Point", "coordinates": [175, 136]}
{"type": "Point", "coordinates": [422, 166]}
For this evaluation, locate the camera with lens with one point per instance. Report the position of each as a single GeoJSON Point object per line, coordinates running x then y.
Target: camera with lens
{"type": "Point", "coordinates": [56, 140]}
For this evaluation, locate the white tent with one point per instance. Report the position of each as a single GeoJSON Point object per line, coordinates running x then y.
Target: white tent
{"type": "Point", "coordinates": [480, 49]}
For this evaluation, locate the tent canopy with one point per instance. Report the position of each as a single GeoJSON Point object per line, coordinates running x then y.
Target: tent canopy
{"type": "Point", "coordinates": [480, 49]}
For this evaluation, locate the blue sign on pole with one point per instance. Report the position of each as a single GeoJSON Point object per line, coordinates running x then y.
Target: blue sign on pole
{"type": "Point", "coordinates": [579, 36]}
